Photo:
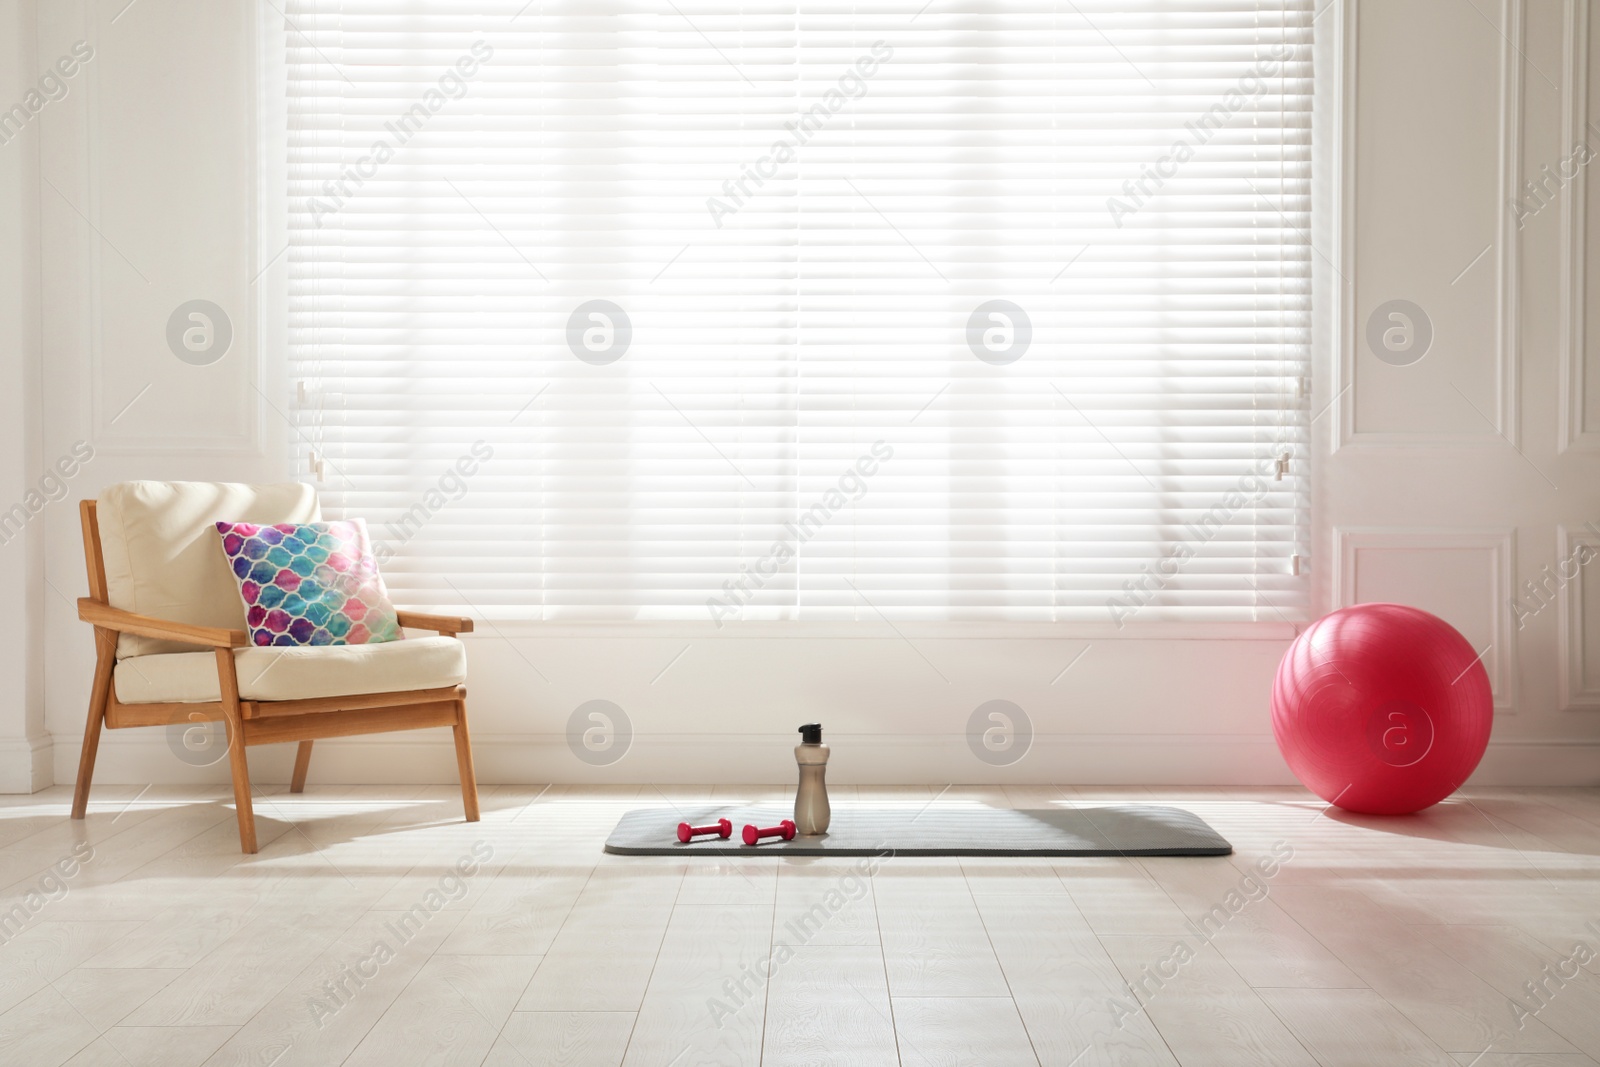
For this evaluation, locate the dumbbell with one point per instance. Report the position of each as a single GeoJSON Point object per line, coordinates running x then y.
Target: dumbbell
{"type": "Point", "coordinates": [722, 828]}
{"type": "Point", "coordinates": [785, 830]}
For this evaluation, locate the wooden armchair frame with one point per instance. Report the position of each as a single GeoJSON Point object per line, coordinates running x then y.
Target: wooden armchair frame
{"type": "Point", "coordinates": [253, 722]}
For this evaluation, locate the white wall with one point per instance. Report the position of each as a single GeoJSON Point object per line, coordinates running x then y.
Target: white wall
{"type": "Point", "coordinates": [1452, 481]}
{"type": "Point", "coordinates": [1429, 484]}
{"type": "Point", "coordinates": [24, 743]}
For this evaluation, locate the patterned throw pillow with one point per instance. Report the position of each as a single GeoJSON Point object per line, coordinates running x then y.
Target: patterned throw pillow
{"type": "Point", "coordinates": [309, 583]}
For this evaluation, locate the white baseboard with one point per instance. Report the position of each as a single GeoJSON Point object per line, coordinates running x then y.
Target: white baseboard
{"type": "Point", "coordinates": [428, 757]}
{"type": "Point", "coordinates": [26, 765]}
{"type": "Point", "coordinates": [1554, 761]}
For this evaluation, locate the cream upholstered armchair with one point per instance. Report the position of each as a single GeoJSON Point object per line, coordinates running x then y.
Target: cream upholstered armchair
{"type": "Point", "coordinates": [171, 645]}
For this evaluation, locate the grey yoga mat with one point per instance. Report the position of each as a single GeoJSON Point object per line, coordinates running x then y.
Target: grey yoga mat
{"type": "Point", "coordinates": [1122, 830]}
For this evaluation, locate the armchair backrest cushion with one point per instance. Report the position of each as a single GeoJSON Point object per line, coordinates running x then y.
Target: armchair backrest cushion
{"type": "Point", "coordinates": [163, 556]}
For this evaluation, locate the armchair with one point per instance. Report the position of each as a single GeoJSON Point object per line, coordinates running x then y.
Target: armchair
{"type": "Point", "coordinates": [171, 647]}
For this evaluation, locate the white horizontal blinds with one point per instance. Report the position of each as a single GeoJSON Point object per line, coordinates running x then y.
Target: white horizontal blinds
{"type": "Point", "coordinates": [806, 214]}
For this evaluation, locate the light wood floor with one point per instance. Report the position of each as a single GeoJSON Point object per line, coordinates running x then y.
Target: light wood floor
{"type": "Point", "coordinates": [1467, 935]}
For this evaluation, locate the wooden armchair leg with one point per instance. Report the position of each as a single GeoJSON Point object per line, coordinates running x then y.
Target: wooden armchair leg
{"type": "Point", "coordinates": [469, 776]}
{"type": "Point", "coordinates": [302, 763]}
{"type": "Point", "coordinates": [229, 679]}
{"type": "Point", "coordinates": [105, 661]}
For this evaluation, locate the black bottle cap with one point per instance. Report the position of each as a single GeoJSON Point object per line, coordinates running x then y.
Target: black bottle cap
{"type": "Point", "coordinates": [811, 733]}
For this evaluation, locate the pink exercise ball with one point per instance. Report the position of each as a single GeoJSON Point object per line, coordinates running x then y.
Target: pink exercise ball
{"type": "Point", "coordinates": [1382, 708]}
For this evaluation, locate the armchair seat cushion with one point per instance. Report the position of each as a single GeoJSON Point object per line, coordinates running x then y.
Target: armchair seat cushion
{"type": "Point", "coordinates": [296, 673]}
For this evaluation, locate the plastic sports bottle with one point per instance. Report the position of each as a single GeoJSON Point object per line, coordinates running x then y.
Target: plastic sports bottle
{"type": "Point", "coordinates": [811, 811]}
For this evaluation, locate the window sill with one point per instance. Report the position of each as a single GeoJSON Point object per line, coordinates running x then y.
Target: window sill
{"type": "Point", "coordinates": [1276, 631]}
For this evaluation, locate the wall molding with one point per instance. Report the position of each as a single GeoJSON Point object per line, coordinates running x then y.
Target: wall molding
{"type": "Point", "coordinates": [1506, 407]}
{"type": "Point", "coordinates": [1500, 542]}
{"type": "Point", "coordinates": [1577, 690]}
{"type": "Point", "coordinates": [103, 411]}
{"type": "Point", "coordinates": [1575, 434]}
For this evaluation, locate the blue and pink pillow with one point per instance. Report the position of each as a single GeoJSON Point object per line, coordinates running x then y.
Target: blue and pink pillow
{"type": "Point", "coordinates": [309, 583]}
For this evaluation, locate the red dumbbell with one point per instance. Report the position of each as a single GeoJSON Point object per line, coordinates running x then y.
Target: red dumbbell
{"type": "Point", "coordinates": [785, 830]}
{"type": "Point", "coordinates": [723, 829]}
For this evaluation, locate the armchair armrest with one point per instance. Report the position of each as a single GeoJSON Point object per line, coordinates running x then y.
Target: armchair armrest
{"type": "Point", "coordinates": [441, 624]}
{"type": "Point", "coordinates": [104, 615]}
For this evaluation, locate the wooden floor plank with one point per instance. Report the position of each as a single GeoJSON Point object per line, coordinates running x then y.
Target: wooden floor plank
{"type": "Point", "coordinates": [43, 1030]}
{"type": "Point", "coordinates": [451, 1013]}
{"type": "Point", "coordinates": [1353, 1028]}
{"type": "Point", "coordinates": [706, 1001]}
{"type": "Point", "coordinates": [1455, 1008]}
{"type": "Point", "coordinates": [325, 1010]}
{"type": "Point", "coordinates": [934, 942]}
{"type": "Point", "coordinates": [562, 1039]}
{"type": "Point", "coordinates": [829, 1004]}
{"type": "Point", "coordinates": [601, 958]}
{"type": "Point", "coordinates": [962, 1032]}
{"type": "Point", "coordinates": [1072, 998]}
{"type": "Point", "coordinates": [1204, 1011]}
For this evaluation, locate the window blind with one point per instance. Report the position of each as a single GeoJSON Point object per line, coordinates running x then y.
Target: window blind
{"type": "Point", "coordinates": [751, 311]}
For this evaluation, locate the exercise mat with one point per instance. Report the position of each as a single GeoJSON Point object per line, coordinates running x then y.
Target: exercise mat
{"type": "Point", "coordinates": [1121, 830]}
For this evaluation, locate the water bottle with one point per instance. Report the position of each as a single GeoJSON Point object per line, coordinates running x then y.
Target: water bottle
{"type": "Point", "coordinates": [811, 811]}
